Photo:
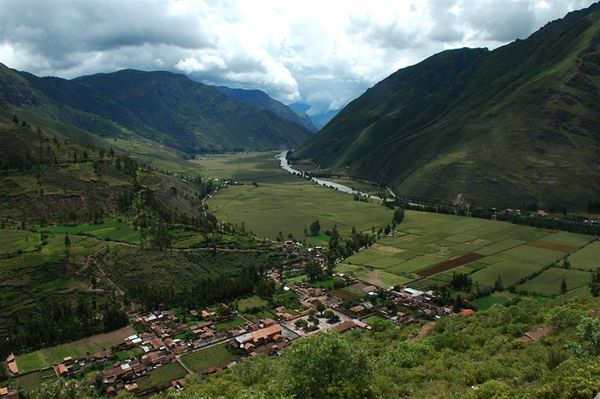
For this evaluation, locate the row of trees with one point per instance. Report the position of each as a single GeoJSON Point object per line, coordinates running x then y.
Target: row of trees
{"type": "Point", "coordinates": [59, 321]}
{"type": "Point", "coordinates": [204, 291]}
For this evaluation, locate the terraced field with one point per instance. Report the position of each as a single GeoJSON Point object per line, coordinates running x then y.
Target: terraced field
{"type": "Point", "coordinates": [428, 248]}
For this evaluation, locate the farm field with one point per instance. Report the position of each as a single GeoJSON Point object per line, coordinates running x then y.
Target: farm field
{"type": "Point", "coordinates": [428, 248]}
{"type": "Point", "coordinates": [33, 381]}
{"type": "Point", "coordinates": [12, 241]}
{"type": "Point", "coordinates": [230, 324]}
{"type": "Point", "coordinates": [213, 356]}
{"type": "Point", "coordinates": [250, 303]}
{"type": "Point", "coordinates": [281, 202]}
{"type": "Point", "coordinates": [549, 281]}
{"type": "Point", "coordinates": [587, 258]}
{"type": "Point", "coordinates": [49, 356]}
{"type": "Point", "coordinates": [33, 277]}
{"type": "Point", "coordinates": [112, 230]}
{"type": "Point", "coordinates": [162, 376]}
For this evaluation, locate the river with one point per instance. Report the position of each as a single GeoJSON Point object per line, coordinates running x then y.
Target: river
{"type": "Point", "coordinates": [283, 163]}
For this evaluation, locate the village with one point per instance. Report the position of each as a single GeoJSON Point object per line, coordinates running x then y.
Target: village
{"type": "Point", "coordinates": [170, 344]}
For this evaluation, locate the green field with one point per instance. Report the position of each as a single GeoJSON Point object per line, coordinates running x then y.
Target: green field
{"type": "Point", "coordinates": [34, 380]}
{"type": "Point", "coordinates": [425, 241]}
{"type": "Point", "coordinates": [32, 278]}
{"type": "Point", "coordinates": [230, 324]}
{"type": "Point", "coordinates": [253, 302]}
{"type": "Point", "coordinates": [112, 230]}
{"type": "Point", "coordinates": [49, 356]}
{"type": "Point", "coordinates": [162, 376]}
{"type": "Point", "coordinates": [374, 318]}
{"type": "Point", "coordinates": [213, 356]}
{"type": "Point", "coordinates": [587, 258]}
{"type": "Point", "coordinates": [12, 240]}
{"type": "Point", "coordinates": [487, 302]}
{"type": "Point", "coordinates": [282, 202]}
{"type": "Point", "coordinates": [549, 281]}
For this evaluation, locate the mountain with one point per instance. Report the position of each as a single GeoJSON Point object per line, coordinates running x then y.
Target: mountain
{"type": "Point", "coordinates": [262, 100]}
{"type": "Point", "coordinates": [513, 126]}
{"type": "Point", "coordinates": [318, 120]}
{"type": "Point", "coordinates": [161, 106]}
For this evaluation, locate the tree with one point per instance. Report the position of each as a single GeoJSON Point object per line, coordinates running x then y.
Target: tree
{"type": "Point", "coordinates": [498, 286]}
{"type": "Point", "coordinates": [398, 215]}
{"type": "Point", "coordinates": [315, 228]}
{"type": "Point", "coordinates": [334, 240]}
{"type": "Point", "coordinates": [563, 286]}
{"type": "Point", "coordinates": [589, 334]}
{"type": "Point", "coordinates": [595, 283]}
{"type": "Point", "coordinates": [320, 306]}
{"type": "Point", "coordinates": [327, 366]}
{"type": "Point", "coordinates": [313, 270]}
{"type": "Point", "coordinates": [458, 303]}
{"type": "Point", "coordinates": [67, 241]}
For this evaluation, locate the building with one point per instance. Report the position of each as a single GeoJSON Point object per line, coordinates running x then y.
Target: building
{"type": "Point", "coordinates": [250, 341]}
{"type": "Point", "coordinates": [350, 325]}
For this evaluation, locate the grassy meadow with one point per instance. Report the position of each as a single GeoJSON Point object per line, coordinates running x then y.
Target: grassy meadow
{"type": "Point", "coordinates": [282, 202]}
{"type": "Point", "coordinates": [213, 356]}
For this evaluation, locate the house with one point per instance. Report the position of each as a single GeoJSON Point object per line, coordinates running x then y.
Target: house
{"type": "Point", "coordinates": [412, 292]}
{"type": "Point", "coordinates": [118, 372]}
{"type": "Point", "coordinates": [8, 393]}
{"type": "Point", "coordinates": [357, 308]}
{"type": "Point", "coordinates": [267, 322]}
{"type": "Point", "coordinates": [250, 341]}
{"type": "Point", "coordinates": [466, 312]}
{"type": "Point", "coordinates": [349, 325]}
{"type": "Point", "coordinates": [61, 370]}
{"type": "Point", "coordinates": [131, 388]}
{"type": "Point", "coordinates": [369, 289]}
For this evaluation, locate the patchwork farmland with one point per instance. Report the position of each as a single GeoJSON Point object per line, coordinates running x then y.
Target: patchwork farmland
{"type": "Point", "coordinates": [427, 249]}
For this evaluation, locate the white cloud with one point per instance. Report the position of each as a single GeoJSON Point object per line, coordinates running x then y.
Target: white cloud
{"type": "Point", "coordinates": [323, 52]}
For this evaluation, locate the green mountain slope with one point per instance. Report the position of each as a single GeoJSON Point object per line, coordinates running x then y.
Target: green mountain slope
{"type": "Point", "coordinates": [260, 99]}
{"type": "Point", "coordinates": [160, 106]}
{"type": "Point", "coordinates": [192, 115]}
{"type": "Point", "coordinates": [513, 126]}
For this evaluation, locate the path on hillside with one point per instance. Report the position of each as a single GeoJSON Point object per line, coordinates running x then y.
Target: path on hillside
{"type": "Point", "coordinates": [422, 333]}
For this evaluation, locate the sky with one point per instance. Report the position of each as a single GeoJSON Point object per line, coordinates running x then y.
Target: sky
{"type": "Point", "coordinates": [323, 53]}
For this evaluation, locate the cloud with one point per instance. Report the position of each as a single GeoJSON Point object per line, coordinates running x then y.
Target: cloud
{"type": "Point", "coordinates": [324, 53]}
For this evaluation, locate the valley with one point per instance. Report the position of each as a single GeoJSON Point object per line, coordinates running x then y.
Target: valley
{"type": "Point", "coordinates": [182, 233]}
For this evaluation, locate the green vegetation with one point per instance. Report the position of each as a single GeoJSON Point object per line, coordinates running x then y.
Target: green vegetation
{"type": "Point", "coordinates": [587, 258]}
{"type": "Point", "coordinates": [230, 324]}
{"type": "Point", "coordinates": [548, 283]}
{"type": "Point", "coordinates": [474, 357]}
{"type": "Point", "coordinates": [111, 230]}
{"type": "Point", "coordinates": [217, 355]}
{"type": "Point", "coordinates": [488, 301]}
{"type": "Point", "coordinates": [296, 202]}
{"type": "Point", "coordinates": [252, 303]}
{"type": "Point", "coordinates": [428, 248]}
{"type": "Point", "coordinates": [48, 356]}
{"type": "Point", "coordinates": [458, 125]}
{"type": "Point", "coordinates": [162, 376]}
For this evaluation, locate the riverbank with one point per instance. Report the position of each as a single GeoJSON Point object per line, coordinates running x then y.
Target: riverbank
{"type": "Point", "coordinates": [284, 164]}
